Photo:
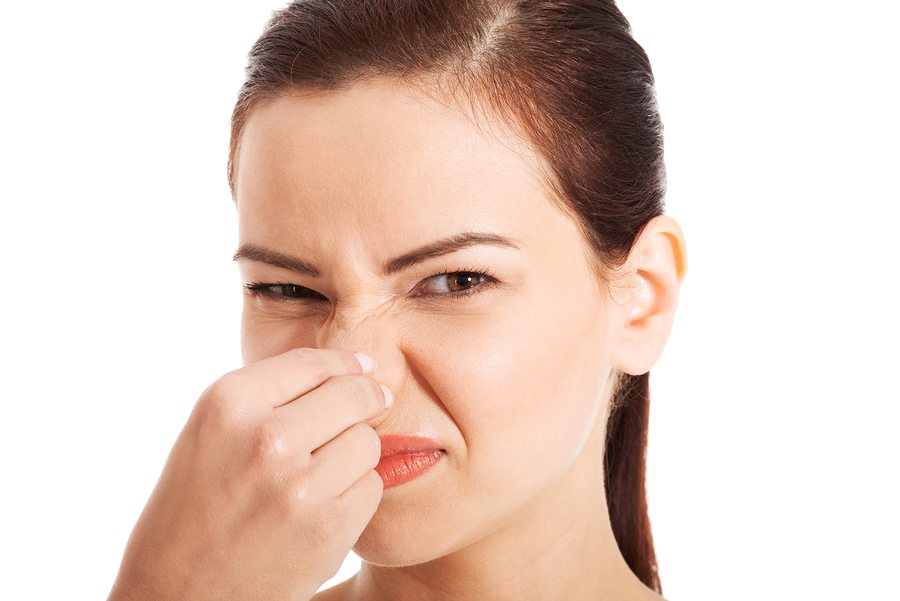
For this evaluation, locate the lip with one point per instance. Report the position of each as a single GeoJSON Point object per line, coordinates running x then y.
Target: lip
{"type": "Point", "coordinates": [406, 457]}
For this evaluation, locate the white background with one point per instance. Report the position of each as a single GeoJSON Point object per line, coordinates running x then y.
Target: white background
{"type": "Point", "coordinates": [773, 458]}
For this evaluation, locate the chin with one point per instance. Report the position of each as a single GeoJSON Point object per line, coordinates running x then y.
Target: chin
{"type": "Point", "coordinates": [408, 533]}
{"type": "Point", "coordinates": [436, 515]}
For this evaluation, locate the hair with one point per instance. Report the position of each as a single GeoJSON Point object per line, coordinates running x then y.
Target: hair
{"type": "Point", "coordinates": [569, 77]}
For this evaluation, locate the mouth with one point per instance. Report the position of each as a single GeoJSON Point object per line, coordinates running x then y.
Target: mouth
{"type": "Point", "coordinates": [406, 457]}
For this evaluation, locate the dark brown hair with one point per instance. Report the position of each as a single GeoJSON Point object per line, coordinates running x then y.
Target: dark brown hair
{"type": "Point", "coordinates": [570, 77]}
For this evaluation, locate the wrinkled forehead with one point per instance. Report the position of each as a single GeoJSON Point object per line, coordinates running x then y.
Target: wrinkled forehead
{"type": "Point", "coordinates": [386, 157]}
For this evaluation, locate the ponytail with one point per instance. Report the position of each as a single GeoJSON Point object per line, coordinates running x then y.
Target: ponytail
{"type": "Point", "coordinates": [625, 467]}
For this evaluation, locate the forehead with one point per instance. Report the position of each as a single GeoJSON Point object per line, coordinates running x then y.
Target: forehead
{"type": "Point", "coordinates": [383, 158]}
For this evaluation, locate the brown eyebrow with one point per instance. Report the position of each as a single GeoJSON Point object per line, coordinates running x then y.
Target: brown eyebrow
{"type": "Point", "coordinates": [446, 246]}
{"type": "Point", "coordinates": [251, 252]}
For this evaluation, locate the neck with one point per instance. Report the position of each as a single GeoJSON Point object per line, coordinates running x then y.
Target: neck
{"type": "Point", "coordinates": [561, 546]}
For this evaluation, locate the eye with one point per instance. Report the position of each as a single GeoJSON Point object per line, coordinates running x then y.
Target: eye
{"type": "Point", "coordinates": [457, 283]}
{"type": "Point", "coordinates": [283, 291]}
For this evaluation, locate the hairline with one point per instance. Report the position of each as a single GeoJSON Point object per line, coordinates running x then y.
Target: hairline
{"type": "Point", "coordinates": [484, 114]}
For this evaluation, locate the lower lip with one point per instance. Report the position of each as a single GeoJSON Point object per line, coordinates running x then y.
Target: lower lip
{"type": "Point", "coordinates": [400, 469]}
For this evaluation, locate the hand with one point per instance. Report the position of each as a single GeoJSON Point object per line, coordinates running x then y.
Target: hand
{"type": "Point", "coordinates": [267, 487]}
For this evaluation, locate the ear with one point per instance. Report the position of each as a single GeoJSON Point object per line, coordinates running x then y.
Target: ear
{"type": "Point", "coordinates": [647, 295]}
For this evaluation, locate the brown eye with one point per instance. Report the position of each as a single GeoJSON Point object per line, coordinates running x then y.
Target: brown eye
{"type": "Point", "coordinates": [461, 281]}
{"type": "Point", "coordinates": [293, 291]}
{"type": "Point", "coordinates": [454, 284]}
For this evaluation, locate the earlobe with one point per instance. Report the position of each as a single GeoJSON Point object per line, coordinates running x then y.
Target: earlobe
{"type": "Point", "coordinates": [652, 278]}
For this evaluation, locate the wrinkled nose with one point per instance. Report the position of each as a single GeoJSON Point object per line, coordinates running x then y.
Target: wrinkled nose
{"type": "Point", "coordinates": [371, 328]}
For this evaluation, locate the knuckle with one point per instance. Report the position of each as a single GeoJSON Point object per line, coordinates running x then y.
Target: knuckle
{"type": "Point", "coordinates": [287, 492]}
{"type": "Point", "coordinates": [220, 403]}
{"type": "Point", "coordinates": [358, 395]}
{"type": "Point", "coordinates": [269, 442]}
{"type": "Point", "coordinates": [347, 359]}
{"type": "Point", "coordinates": [314, 362]}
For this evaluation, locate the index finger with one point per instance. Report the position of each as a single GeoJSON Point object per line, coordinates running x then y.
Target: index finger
{"type": "Point", "coordinates": [278, 380]}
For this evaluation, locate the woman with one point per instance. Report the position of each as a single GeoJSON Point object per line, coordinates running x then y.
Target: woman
{"type": "Point", "coordinates": [457, 275]}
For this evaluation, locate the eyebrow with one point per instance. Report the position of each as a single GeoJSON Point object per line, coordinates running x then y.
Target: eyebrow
{"type": "Point", "coordinates": [251, 252]}
{"type": "Point", "coordinates": [445, 247]}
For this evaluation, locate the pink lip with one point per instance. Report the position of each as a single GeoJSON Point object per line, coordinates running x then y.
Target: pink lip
{"type": "Point", "coordinates": [405, 457]}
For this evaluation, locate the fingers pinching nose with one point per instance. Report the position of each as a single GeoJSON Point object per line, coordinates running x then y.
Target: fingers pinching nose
{"type": "Point", "coordinates": [367, 363]}
{"type": "Point", "coordinates": [388, 396]}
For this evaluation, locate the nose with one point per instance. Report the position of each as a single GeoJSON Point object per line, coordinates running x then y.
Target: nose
{"type": "Point", "coordinates": [368, 328]}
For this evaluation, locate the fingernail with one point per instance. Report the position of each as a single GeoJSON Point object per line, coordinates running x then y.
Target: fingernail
{"type": "Point", "coordinates": [388, 396]}
{"type": "Point", "coordinates": [366, 362]}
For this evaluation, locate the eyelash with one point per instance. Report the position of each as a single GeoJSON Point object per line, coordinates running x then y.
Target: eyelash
{"type": "Point", "coordinates": [257, 288]}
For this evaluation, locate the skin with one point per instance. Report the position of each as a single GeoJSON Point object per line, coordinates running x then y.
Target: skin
{"type": "Point", "coordinates": [512, 380]}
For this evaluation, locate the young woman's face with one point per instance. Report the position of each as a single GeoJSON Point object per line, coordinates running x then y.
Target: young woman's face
{"type": "Point", "coordinates": [505, 372]}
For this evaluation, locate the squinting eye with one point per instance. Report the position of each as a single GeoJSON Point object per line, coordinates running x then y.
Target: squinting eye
{"type": "Point", "coordinates": [283, 291]}
{"type": "Point", "coordinates": [292, 291]}
{"type": "Point", "coordinates": [460, 281]}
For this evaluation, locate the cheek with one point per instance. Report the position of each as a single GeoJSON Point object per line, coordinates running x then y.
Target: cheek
{"type": "Point", "coordinates": [521, 380]}
{"type": "Point", "coordinates": [264, 336]}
